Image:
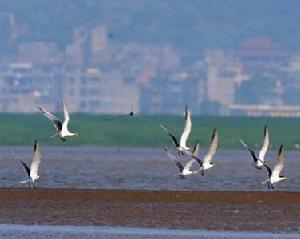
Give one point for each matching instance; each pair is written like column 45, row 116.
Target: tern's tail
column 25, row 181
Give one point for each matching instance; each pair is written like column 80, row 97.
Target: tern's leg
column 34, row 186
column 63, row 139
column 272, row 186
column 202, row 172
column 269, row 186
column 29, row 186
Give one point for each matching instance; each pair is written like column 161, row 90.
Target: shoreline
column 210, row 210
column 40, row 231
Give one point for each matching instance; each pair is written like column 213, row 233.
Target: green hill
column 144, row 131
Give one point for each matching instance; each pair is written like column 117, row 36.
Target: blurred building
column 96, row 74
column 23, row 87
column 222, row 72
column 40, row 53
column 96, row 92
column 74, row 54
column 270, row 110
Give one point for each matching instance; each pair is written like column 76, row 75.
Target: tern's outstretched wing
column 212, row 148
column 252, row 153
column 187, row 128
column 189, row 164
column 66, row 116
column 34, row 167
column 198, row 160
column 56, row 122
column 265, row 146
column 269, row 171
column 194, row 155
column 25, row 167
column 175, row 159
column 174, row 139
column 196, row 149
column 280, row 163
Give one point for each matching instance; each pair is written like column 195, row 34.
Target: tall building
column 97, row 92
column 98, row 45
column 22, row 88
column 74, row 54
column 222, row 72
column 40, row 53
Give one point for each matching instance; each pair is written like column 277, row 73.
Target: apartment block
column 23, row 87
column 97, row 92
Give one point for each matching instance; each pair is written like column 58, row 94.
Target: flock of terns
column 181, row 148
column 205, row 164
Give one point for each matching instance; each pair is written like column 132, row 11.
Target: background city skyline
column 218, row 57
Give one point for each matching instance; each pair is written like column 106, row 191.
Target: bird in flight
column 183, row 170
column 258, row 161
column 207, row 160
column 32, row 172
column 62, row 130
column 180, row 145
column 274, row 175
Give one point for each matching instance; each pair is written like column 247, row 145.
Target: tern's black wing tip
column 195, row 146
column 253, row 155
column 35, row 145
column 280, row 149
column 214, row 133
column 265, row 130
column 269, row 170
column 26, row 168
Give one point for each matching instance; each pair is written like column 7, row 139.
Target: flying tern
column 180, row 145
column 62, row 130
column 207, row 163
column 258, row 161
column 183, row 170
column 274, row 175
column 32, row 172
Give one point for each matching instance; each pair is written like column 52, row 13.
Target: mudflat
column 209, row 210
